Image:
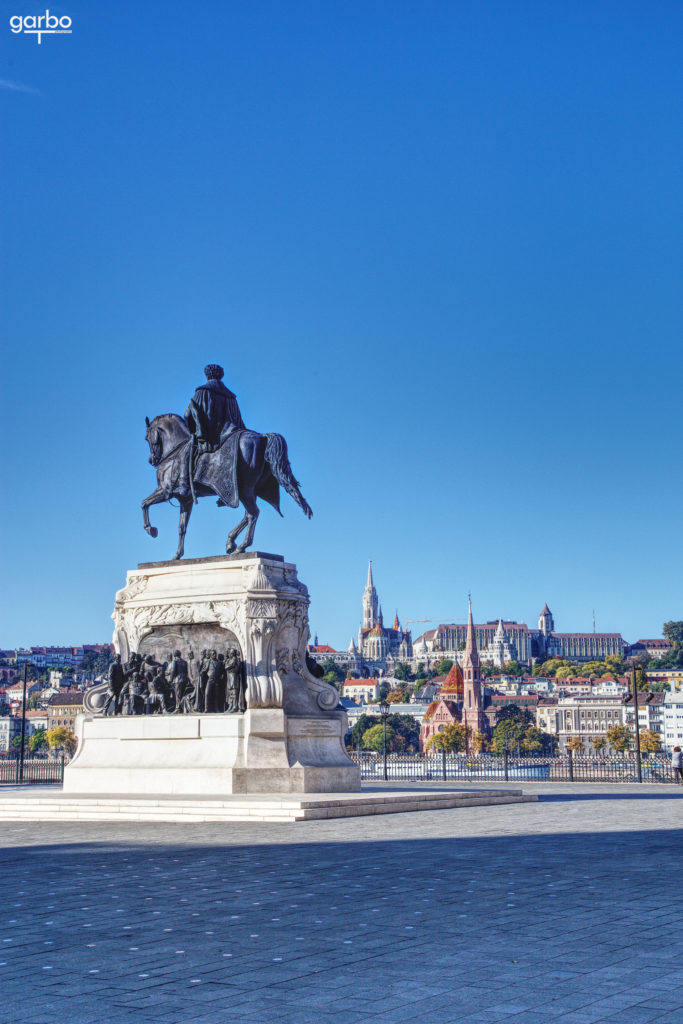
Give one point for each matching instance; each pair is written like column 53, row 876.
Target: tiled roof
column 454, row 682
column 62, row 699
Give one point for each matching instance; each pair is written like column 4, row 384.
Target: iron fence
column 32, row 770
column 508, row 768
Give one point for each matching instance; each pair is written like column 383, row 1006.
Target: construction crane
column 443, row 619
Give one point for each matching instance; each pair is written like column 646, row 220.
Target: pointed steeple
column 397, row 624
column 471, row 652
column 369, row 602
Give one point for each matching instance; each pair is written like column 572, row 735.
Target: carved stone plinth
column 290, row 739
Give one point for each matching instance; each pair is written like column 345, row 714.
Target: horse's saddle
column 218, row 470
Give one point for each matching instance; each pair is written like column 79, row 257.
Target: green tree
column 641, row 679
column 406, row 726
column 512, row 668
column 38, row 741
column 532, row 740
column 97, row 661
column 330, row 668
column 575, row 744
column 598, row 743
column 619, row 738
column 373, row 738
column 403, row 672
column 364, row 722
column 514, row 713
column 507, row 735
column 673, row 631
column 550, row 667
column 444, row 666
column 615, row 664
column 672, row 659
column 452, row 738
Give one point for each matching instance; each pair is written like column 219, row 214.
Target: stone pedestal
column 290, row 738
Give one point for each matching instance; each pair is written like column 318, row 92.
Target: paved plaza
column 567, row 910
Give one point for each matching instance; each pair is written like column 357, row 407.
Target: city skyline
column 438, row 250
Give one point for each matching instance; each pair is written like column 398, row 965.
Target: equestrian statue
column 208, row 452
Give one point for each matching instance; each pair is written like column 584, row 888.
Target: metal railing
column 567, row 767
column 41, row 770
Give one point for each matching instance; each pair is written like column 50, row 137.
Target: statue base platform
column 42, row 803
column 290, row 738
column 261, row 751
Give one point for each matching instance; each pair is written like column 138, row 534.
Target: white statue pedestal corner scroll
column 290, row 739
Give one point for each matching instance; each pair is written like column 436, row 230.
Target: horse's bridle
column 155, row 459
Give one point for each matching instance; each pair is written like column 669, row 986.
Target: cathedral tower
column 546, row 623
column 370, row 602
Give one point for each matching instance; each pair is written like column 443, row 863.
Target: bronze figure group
column 144, row 686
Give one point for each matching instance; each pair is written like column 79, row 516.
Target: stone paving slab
column 568, row 909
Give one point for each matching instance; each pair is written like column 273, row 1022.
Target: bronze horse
column 247, row 466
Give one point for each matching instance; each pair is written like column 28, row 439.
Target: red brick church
column 462, row 697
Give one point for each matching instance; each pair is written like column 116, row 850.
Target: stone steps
column 23, row 805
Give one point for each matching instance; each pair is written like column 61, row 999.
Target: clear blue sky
column 436, row 245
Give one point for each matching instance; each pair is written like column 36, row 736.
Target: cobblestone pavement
column 566, row 910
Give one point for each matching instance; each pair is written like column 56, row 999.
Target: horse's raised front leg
column 185, row 513
column 155, row 498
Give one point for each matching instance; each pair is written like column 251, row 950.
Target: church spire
column 471, row 652
column 370, row 602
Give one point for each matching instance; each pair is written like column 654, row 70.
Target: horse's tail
column 278, row 459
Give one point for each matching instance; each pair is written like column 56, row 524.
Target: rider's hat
column 213, row 371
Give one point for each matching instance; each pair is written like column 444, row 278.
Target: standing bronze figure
column 210, row 452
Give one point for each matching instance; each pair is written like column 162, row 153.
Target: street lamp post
column 639, row 766
column 384, row 712
column 23, row 726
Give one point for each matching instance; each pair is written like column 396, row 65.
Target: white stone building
column 650, row 714
column 582, row 717
column 10, row 726
column 361, row 690
column 673, row 720
column 524, row 644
